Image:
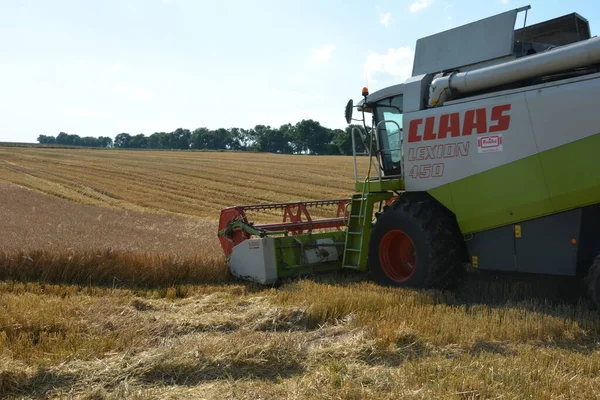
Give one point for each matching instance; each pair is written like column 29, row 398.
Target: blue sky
column 97, row 68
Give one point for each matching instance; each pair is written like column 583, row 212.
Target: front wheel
column 416, row 242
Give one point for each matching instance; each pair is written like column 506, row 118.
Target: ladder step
column 354, row 250
column 357, row 215
column 354, row 233
column 350, row 266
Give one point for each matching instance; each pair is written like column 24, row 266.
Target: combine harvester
column 498, row 169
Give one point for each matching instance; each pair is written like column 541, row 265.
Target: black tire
column 434, row 236
column 593, row 282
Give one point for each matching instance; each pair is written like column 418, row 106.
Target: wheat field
column 198, row 184
column 112, row 286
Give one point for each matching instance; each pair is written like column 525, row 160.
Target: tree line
column 307, row 136
column 75, row 140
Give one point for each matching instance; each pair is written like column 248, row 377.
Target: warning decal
column 489, row 144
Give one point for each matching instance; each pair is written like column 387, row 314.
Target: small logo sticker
column 254, row 244
column 489, row 144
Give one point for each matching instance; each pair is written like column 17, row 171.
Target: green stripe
column 573, row 173
column 557, row 180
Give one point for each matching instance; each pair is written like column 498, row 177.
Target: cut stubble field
column 112, row 285
column 197, row 184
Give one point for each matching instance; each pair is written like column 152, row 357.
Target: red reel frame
column 296, row 220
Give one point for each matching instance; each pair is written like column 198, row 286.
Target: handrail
column 378, row 152
column 367, row 152
column 354, row 154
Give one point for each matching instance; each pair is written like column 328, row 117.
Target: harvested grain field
column 112, row 286
column 190, row 183
column 30, row 220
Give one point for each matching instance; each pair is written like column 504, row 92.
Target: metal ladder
column 359, row 229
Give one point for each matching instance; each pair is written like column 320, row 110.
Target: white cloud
column 396, row 64
column 385, row 19
column 504, row 1
column 134, row 93
column 321, row 55
column 419, row 5
column 113, row 68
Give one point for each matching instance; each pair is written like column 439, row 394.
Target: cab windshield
column 390, row 134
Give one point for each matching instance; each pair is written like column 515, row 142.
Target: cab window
column 390, row 138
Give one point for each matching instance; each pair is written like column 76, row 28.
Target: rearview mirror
column 349, row 109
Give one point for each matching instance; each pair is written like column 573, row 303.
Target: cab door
column 388, row 119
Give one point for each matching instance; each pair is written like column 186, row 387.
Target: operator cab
column 386, row 108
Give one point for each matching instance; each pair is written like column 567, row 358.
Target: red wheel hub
column 397, row 255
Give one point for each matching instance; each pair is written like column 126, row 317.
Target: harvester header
column 234, row 226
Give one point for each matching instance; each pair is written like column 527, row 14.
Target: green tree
column 204, row 138
column 43, row 139
column 289, row 136
column 221, row 139
column 237, row 139
column 105, row 141
column 180, row 139
column 139, row 141
column 74, row 140
column 158, row 140
column 312, row 137
column 122, row 140
column 342, row 139
column 199, row 138
column 89, row 141
column 62, row 138
column 272, row 140
column 69, row 140
column 260, row 135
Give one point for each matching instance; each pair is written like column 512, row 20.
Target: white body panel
column 538, row 122
column 254, row 259
column 427, row 167
column 554, row 124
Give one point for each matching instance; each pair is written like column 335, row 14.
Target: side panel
column 480, row 185
column 509, row 194
column 265, row 260
column 503, row 195
column 493, row 250
column 573, row 173
column 446, row 144
column 254, row 260
column 537, row 153
column 563, row 114
column 545, row 245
